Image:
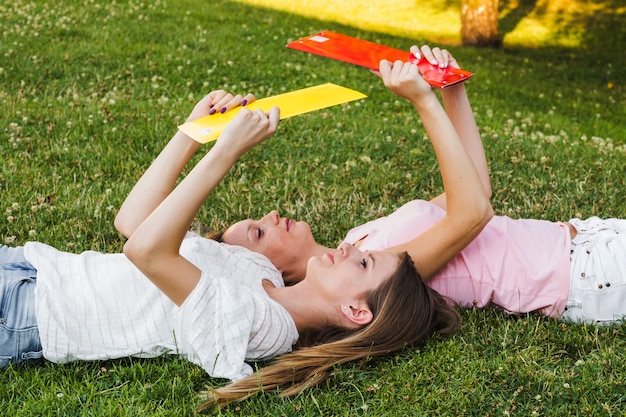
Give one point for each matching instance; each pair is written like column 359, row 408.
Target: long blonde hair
column 406, row 312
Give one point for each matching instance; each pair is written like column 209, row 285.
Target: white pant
column 597, row 291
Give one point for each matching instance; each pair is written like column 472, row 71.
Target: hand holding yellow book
column 208, row 128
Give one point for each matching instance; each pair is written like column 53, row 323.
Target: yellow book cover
column 208, row 128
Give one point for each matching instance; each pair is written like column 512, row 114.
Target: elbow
column 474, row 226
column 121, row 226
column 484, row 214
column 488, row 191
column 131, row 250
column 139, row 253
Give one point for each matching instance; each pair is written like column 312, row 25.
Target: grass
column 91, row 91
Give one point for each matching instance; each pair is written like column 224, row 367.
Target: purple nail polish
column 244, row 102
column 212, row 111
column 223, row 110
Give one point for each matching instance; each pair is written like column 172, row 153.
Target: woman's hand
column 218, row 101
column 404, row 80
column 160, row 178
column 436, row 56
column 246, row 130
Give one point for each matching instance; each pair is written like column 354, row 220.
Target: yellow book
column 208, row 128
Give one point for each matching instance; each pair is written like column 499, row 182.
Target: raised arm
column 160, row 178
column 459, row 110
column 468, row 207
column 154, row 246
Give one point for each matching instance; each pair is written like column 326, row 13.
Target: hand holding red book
column 369, row 54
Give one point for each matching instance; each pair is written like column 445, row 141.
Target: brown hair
column 405, row 313
column 216, row 235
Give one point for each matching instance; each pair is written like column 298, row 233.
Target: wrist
column 186, row 140
column 454, row 91
column 425, row 101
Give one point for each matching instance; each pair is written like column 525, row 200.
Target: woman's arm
column 160, row 178
column 459, row 110
column 468, row 207
column 154, row 246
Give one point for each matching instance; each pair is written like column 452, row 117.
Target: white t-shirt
column 95, row 306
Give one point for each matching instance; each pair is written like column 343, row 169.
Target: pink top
column 520, row 265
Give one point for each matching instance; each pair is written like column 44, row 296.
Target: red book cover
column 368, row 54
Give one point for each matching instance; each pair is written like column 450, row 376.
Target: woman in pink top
column 574, row 270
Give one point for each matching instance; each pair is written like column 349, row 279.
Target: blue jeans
column 19, row 336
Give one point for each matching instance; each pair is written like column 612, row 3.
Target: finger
column 260, row 113
column 384, row 71
column 247, row 99
column 396, row 71
column 446, row 58
column 228, row 102
column 441, row 57
column 384, row 68
column 427, row 53
column 450, row 60
column 215, row 96
column 221, row 102
column 416, row 52
column 444, row 61
column 274, row 118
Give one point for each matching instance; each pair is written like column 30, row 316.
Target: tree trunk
column 479, row 23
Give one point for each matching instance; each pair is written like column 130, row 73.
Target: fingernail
column 211, row 106
column 212, row 111
column 244, row 102
column 223, row 109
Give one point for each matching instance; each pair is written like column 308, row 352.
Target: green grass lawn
column 91, row 91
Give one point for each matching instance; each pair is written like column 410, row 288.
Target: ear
column 359, row 314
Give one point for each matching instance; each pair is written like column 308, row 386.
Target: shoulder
column 242, row 263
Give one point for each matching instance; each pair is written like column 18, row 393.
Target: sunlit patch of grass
column 423, row 19
column 544, row 23
column 551, row 22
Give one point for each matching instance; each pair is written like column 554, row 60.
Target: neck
column 296, row 271
column 303, row 306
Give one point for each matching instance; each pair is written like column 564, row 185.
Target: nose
column 272, row 217
column 346, row 250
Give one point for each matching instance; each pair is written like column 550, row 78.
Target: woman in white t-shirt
column 215, row 304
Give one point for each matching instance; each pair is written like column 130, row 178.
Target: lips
column 287, row 224
column 331, row 258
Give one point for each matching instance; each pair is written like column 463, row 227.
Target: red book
column 369, row 54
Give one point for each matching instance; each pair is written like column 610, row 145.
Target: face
column 347, row 273
column 285, row 242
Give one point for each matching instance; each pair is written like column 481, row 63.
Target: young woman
column 468, row 211
column 574, row 270
column 173, row 292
